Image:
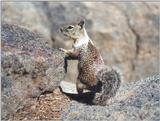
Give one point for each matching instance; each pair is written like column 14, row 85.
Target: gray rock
column 29, row 68
column 26, row 14
column 136, row 101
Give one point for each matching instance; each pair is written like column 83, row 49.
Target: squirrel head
column 76, row 32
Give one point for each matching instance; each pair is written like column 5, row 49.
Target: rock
column 47, row 107
column 69, row 88
column 29, row 68
column 135, row 101
column 28, row 15
column 143, row 22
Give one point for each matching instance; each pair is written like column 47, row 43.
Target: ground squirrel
column 93, row 74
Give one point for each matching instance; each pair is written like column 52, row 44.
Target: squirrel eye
column 70, row 27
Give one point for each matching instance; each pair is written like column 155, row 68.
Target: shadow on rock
column 86, row 97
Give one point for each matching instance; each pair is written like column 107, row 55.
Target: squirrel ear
column 81, row 24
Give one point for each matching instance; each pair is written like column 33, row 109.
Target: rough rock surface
column 126, row 33
column 136, row 101
column 29, row 68
column 25, row 14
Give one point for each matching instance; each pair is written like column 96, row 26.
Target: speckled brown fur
column 86, row 65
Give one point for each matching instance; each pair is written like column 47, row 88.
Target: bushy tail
column 111, row 79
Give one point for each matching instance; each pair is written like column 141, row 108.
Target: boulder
column 29, row 68
column 135, row 101
column 28, row 15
